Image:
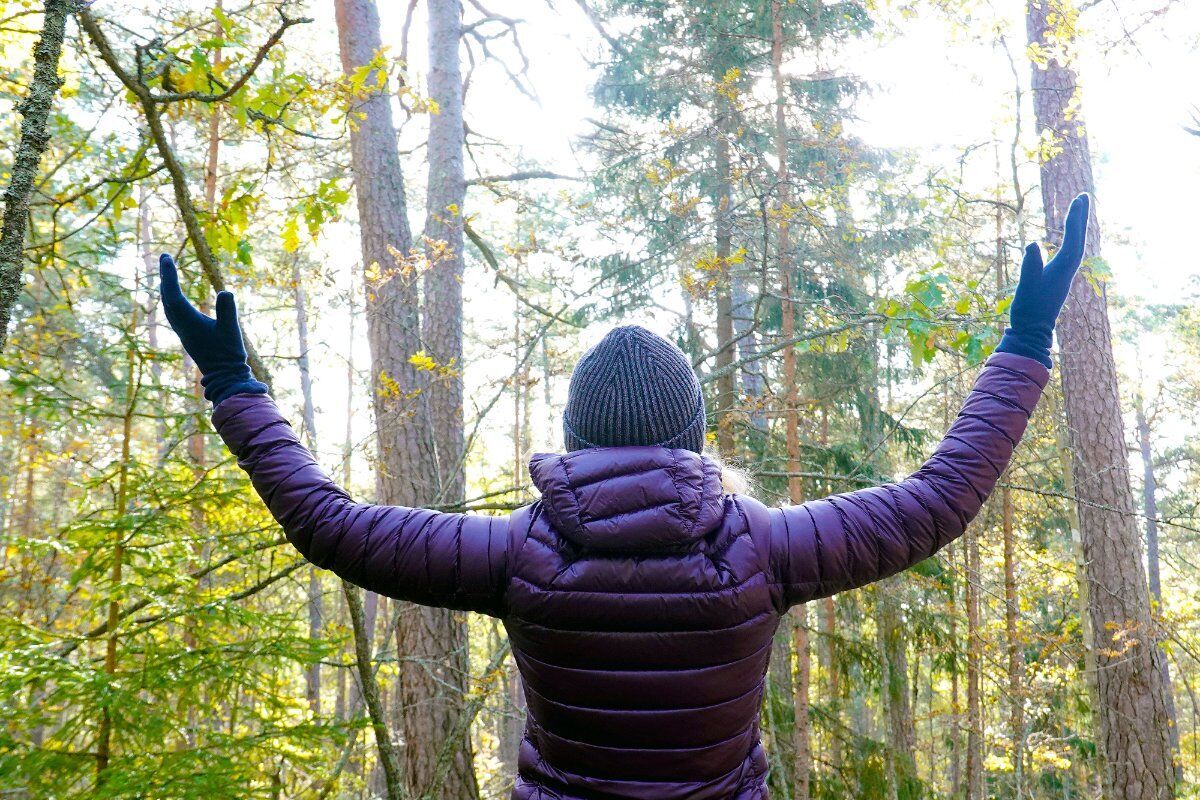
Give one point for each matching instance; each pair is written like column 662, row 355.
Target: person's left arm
column 848, row 540
column 420, row 555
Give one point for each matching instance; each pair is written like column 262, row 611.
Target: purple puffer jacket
column 640, row 599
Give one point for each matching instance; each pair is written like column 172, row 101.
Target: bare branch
column 528, row 175
column 598, row 24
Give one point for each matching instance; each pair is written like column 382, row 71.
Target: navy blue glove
column 214, row 344
column 1042, row 292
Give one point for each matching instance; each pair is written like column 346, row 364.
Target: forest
column 429, row 210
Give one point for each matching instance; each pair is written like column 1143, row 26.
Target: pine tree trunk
column 893, row 649
column 1016, row 658
column 974, row 782
column 742, row 313
column 404, row 446
column 105, row 730
column 432, row 680
column 1134, row 733
column 954, row 735
column 726, row 391
column 511, row 699
column 801, row 732
column 442, row 318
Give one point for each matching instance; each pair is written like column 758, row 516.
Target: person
column 639, row 596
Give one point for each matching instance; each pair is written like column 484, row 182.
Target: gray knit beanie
column 634, row 388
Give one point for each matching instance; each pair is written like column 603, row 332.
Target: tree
column 35, row 133
column 1134, row 723
column 433, row 676
column 391, row 303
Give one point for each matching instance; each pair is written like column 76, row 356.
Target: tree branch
column 246, row 75
column 35, row 135
column 179, row 182
column 528, row 175
column 370, row 692
column 775, row 348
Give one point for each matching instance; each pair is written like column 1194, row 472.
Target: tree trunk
column 403, row 434
column 35, row 135
column 442, row 322
column 893, row 650
column 974, row 665
column 1016, row 657
column 104, row 735
column 1134, row 733
column 388, row 758
column 433, row 675
column 316, row 612
column 726, row 393
column 801, row 733
column 954, row 735
column 1150, row 506
column 742, row 314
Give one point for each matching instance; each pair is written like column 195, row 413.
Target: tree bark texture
column 419, row 448
column 35, row 136
column 433, row 675
column 1133, row 714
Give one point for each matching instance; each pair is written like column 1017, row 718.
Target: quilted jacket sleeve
column 849, row 540
column 428, row 557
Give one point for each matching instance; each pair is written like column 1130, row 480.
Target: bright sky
column 936, row 92
column 941, row 97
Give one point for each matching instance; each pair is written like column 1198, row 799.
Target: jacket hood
column 630, row 499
